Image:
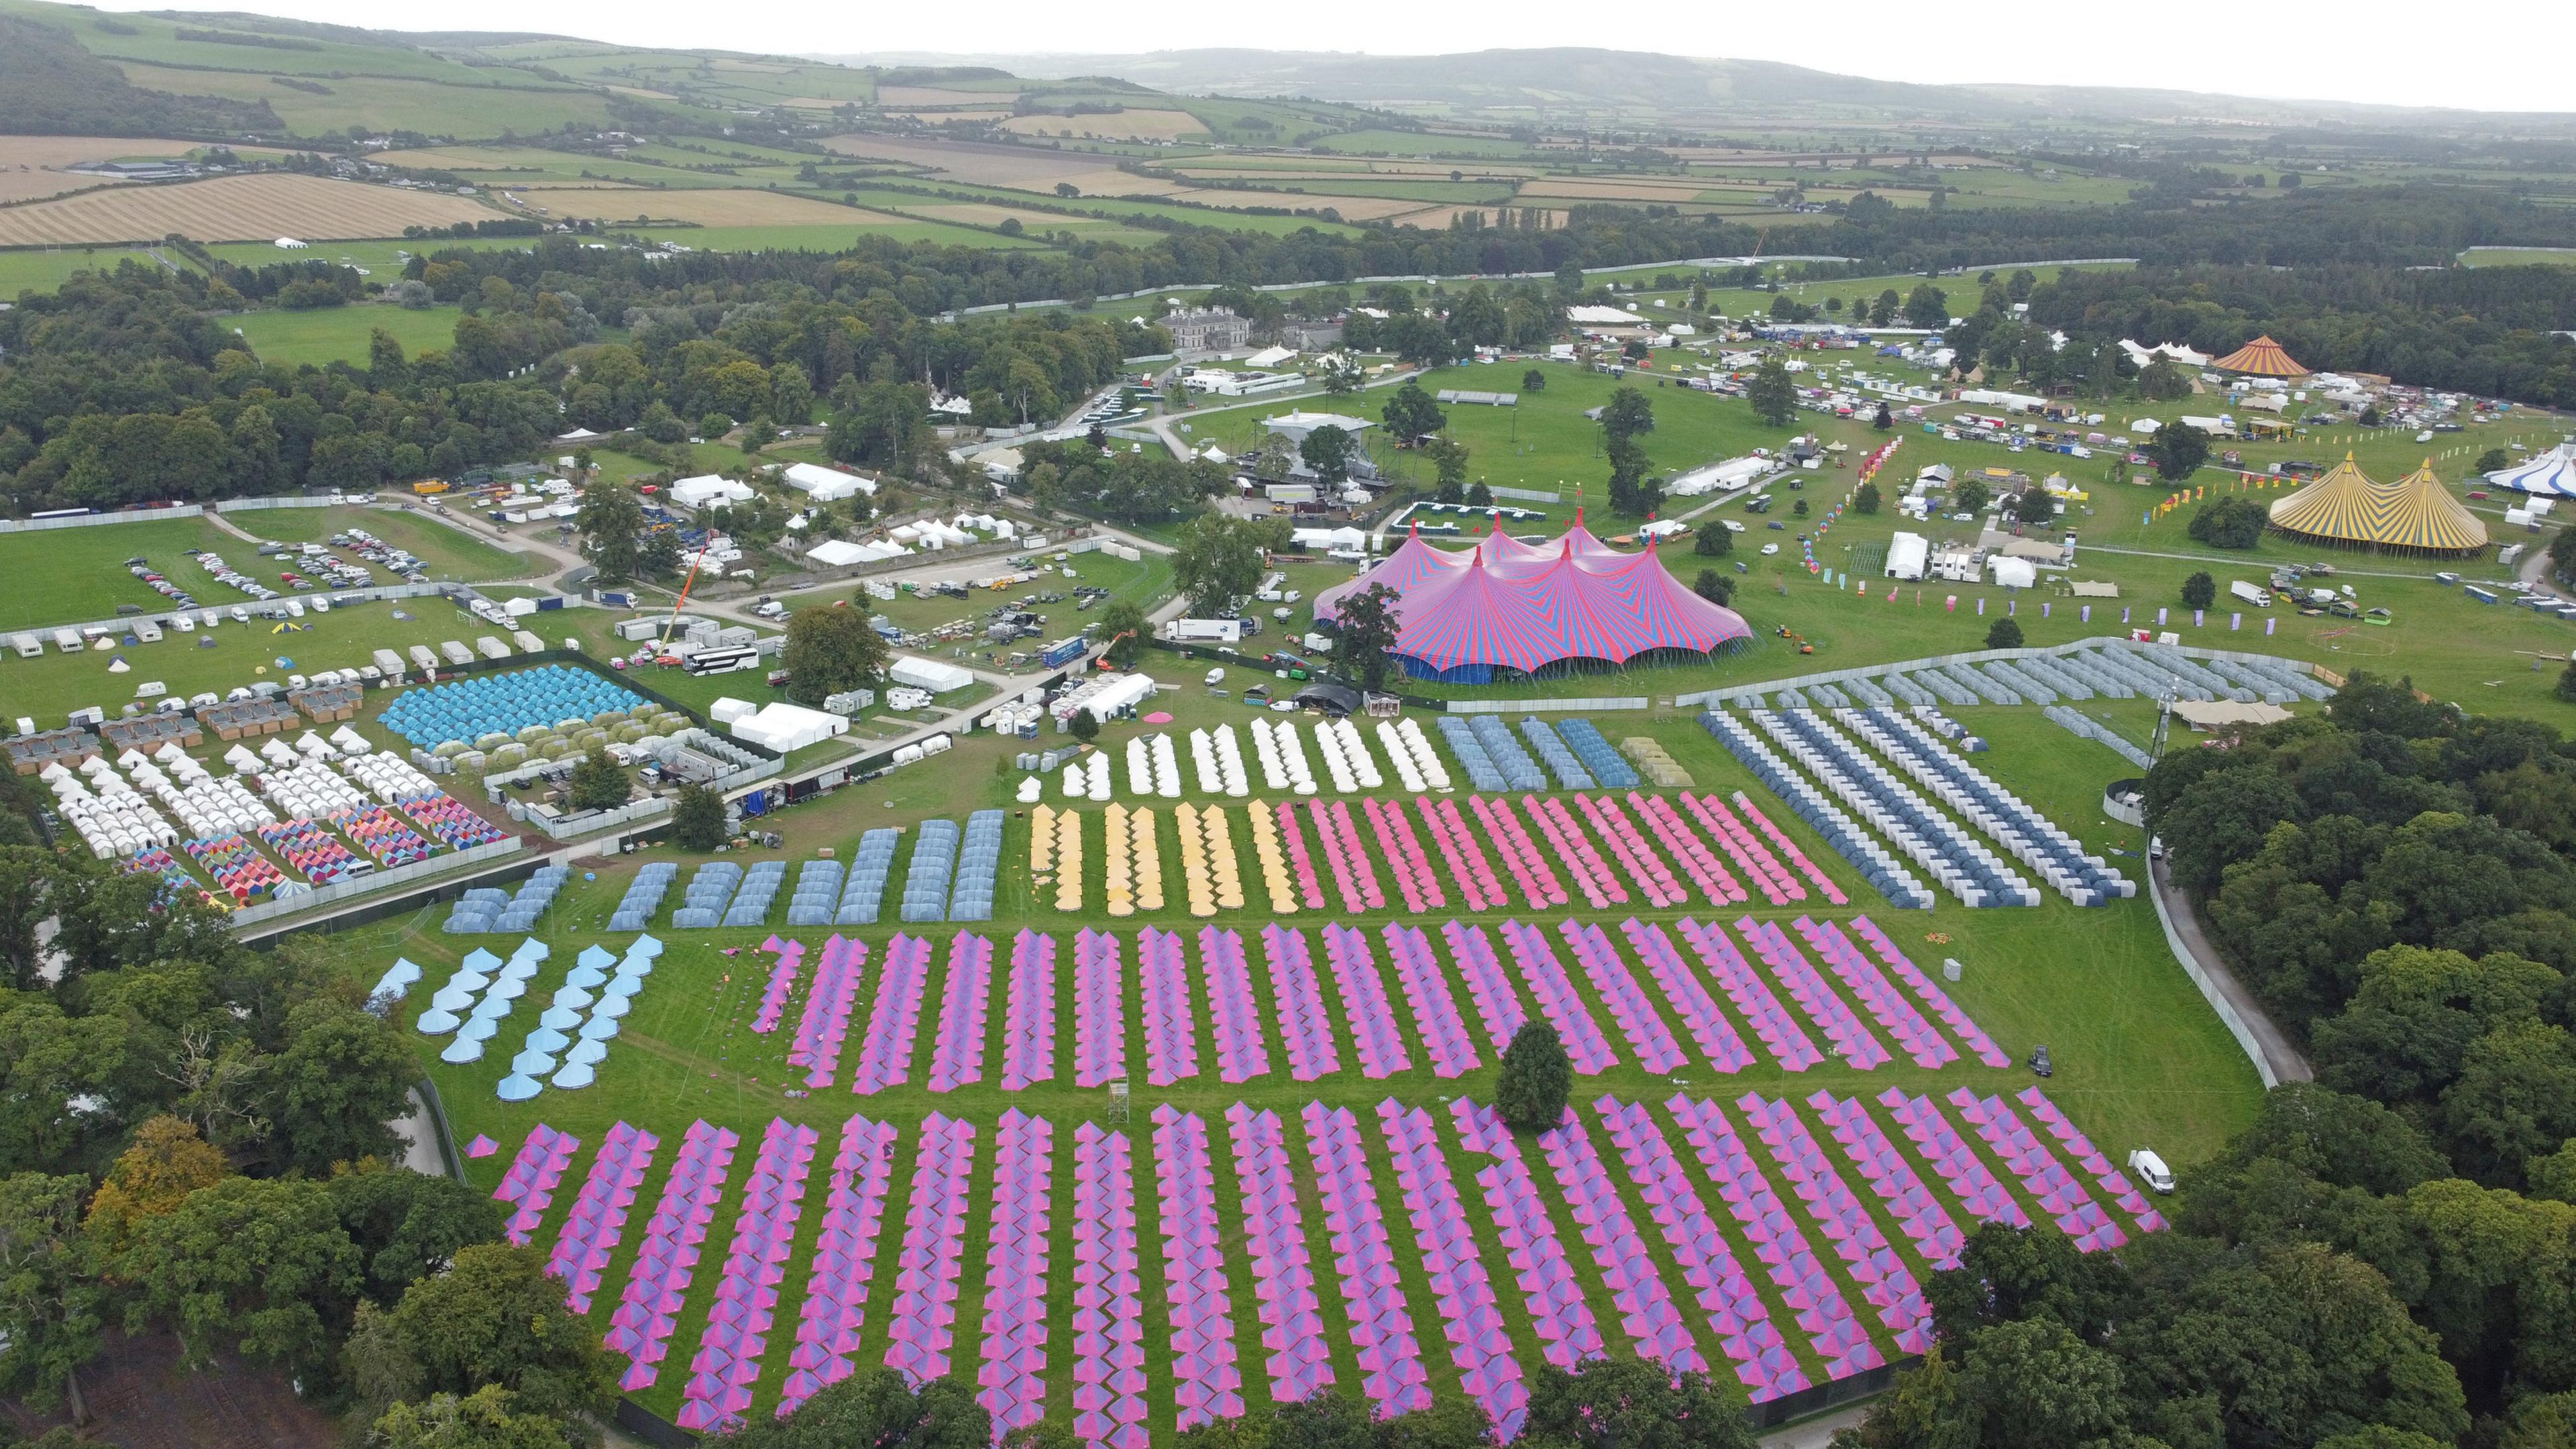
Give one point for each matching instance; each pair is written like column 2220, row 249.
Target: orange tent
column 2261, row 357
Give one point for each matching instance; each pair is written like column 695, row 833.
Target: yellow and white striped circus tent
column 2349, row 508
column 2261, row 357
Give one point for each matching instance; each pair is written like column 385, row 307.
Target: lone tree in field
column 1369, row 625
column 598, row 783
column 1536, row 1079
column 1865, row 499
column 698, row 818
column 1774, row 398
column 609, row 519
column 2004, row 634
column 2199, row 591
column 1712, row 540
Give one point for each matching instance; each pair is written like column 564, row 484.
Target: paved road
column 2286, row 1062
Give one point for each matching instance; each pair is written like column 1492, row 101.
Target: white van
column 2151, row 1170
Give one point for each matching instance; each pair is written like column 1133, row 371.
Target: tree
column 1084, row 726
column 873, row 1407
column 1449, row 458
column 1798, row 509
column 1369, row 624
column 831, row 651
column 609, row 519
column 343, row 1075
column 1626, row 415
column 1715, row 587
column 485, row 1419
column 1972, row 495
column 1219, row 560
column 2199, row 591
column 2493, row 460
column 1536, row 1080
column 1865, row 499
column 1774, row 399
column 257, row 1267
column 1712, row 540
column 26, row 881
column 2034, row 1385
column 1326, row 450
column 1534, row 380
column 169, row 1160
column 2229, row 522
column 698, row 818
column 1882, row 419
column 1410, row 415
column 598, row 782
column 2370, row 415
column 1479, row 496
column 2034, row 506
column 50, row 1294
column 496, row 1318
column 408, row 1225
column 1123, row 626
column 1341, row 378
column 1927, row 306
column 2163, row 381
column 2176, row 449
column 2567, row 681
column 1633, row 1403
column 2004, row 633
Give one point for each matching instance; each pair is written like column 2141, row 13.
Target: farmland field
column 67, row 575
column 381, row 104
column 697, row 207
column 2519, row 257
column 43, row 269
column 233, row 208
column 1140, row 125
column 381, row 259
column 341, row 334
column 827, row 238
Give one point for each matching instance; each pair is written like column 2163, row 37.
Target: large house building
column 1207, row 329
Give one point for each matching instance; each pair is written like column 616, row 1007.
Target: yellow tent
column 2347, row 507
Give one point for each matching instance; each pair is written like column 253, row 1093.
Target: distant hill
column 1678, row 89
column 50, row 86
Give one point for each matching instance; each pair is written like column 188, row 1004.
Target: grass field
column 2140, row 1059
column 341, row 334
column 381, row 260
column 469, row 112
column 2519, row 257
column 834, row 238
column 43, row 269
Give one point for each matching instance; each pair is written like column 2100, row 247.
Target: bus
column 723, row 661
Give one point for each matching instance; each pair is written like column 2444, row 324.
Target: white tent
column 707, row 488
column 785, row 727
column 2552, row 474
column 928, row 674
column 837, row 552
column 825, row 484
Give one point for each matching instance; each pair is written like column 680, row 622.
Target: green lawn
column 823, row 238
column 381, row 260
column 2519, row 257
column 42, row 269
column 342, row 334
column 452, row 555
column 66, row 575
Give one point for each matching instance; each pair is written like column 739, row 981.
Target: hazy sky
column 2502, row 54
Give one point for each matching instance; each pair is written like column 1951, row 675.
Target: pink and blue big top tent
column 2547, row 475
column 1509, row 605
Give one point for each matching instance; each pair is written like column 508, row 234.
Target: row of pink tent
column 1752, row 996
column 1570, row 847
column 1478, row 1342
column 1852, row 1041
column 1426, row 995
column 1769, row 876
column 885, row 1056
column 727, row 1363
column 1028, row 1014
column 1304, row 1030
column 1415, row 881
column 1108, row 1316
column 1655, row 1316
column 828, row 1327
column 649, row 1309
column 1559, row 1313
column 598, row 1219
column 1099, row 1009
column 1654, row 1325
column 1867, row 1255
column 1581, row 1036
column 1241, row 1054
column 921, row 1323
column 1736, row 1313
column 1283, row 1275
column 1354, row 879
column 1301, row 865
column 528, row 1184
column 1365, row 1004
column 2112, row 1180
column 1529, row 869
column 1978, row 1043
column 1497, row 1005
column 1881, row 1000
column 1011, row 1384
column 1638, row 1021
column 826, row 1018
column 1171, row 1028
column 1390, row 1358
column 1629, row 848
column 957, row 1051
column 1715, row 882
column 1689, row 995
column 1457, row 845
column 782, row 981
column 1207, row 1385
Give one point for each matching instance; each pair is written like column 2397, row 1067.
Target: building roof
column 1298, row 424
column 1590, row 316
column 2262, row 357
column 2348, row 506
column 2551, row 474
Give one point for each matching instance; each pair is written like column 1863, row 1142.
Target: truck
column 2254, row 595
column 426, row 487
column 1204, row 631
column 1062, row 652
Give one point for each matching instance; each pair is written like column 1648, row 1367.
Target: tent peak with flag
column 2261, row 357
column 2416, row 513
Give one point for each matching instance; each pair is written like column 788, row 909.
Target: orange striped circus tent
column 2349, row 509
column 2261, row 357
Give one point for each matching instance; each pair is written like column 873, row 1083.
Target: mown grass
column 325, row 335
